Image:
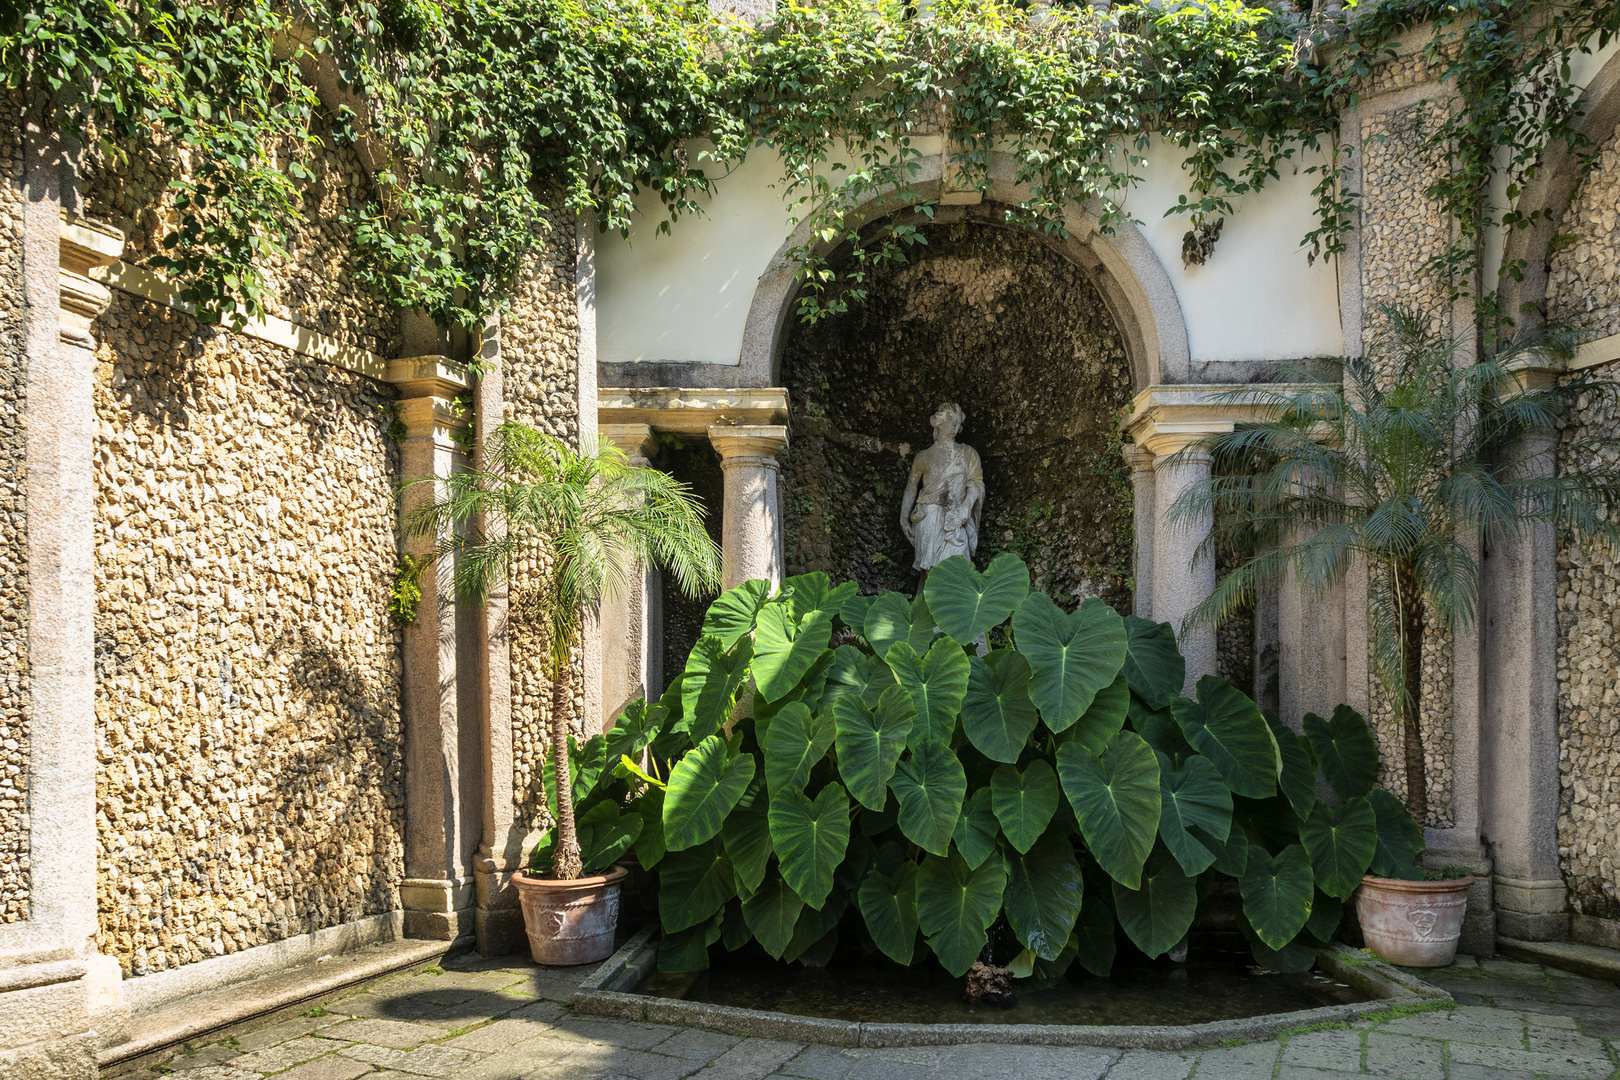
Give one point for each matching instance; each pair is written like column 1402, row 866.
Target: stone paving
column 499, row 1020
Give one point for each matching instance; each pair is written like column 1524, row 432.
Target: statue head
column 947, row 420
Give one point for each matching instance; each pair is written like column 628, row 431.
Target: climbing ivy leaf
column 810, row 839
column 1346, row 751
column 1024, row 802
column 955, row 907
column 1116, row 798
column 704, row 786
column 1072, row 657
column 1227, row 728
column 997, row 713
column 929, row 787
column 967, row 603
column 1044, row 891
column 937, row 684
column 1154, row 666
column 870, row 741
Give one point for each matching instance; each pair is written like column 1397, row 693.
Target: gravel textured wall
column 13, row 533
column 1017, row 335
column 540, row 372
column 693, row 462
column 1583, row 280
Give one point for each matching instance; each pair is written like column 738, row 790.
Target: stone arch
column 1549, row 195
column 1123, row 266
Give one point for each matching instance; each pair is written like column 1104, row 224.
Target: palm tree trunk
column 1409, row 608
column 565, row 864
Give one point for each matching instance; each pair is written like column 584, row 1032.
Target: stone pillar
column 631, row 631
column 1181, row 581
column 1519, row 736
column 751, row 525
column 1141, row 463
column 1310, row 651
column 437, row 893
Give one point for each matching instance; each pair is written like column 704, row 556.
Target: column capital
column 84, row 246
column 754, row 444
column 636, row 441
column 688, row 410
column 428, row 386
column 1165, row 420
column 1139, row 458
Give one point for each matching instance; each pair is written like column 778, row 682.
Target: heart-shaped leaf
column 784, row 649
column 693, row 885
column 929, row 787
column 1043, row 896
column 586, row 763
column 1341, row 841
column 713, row 678
column 731, row 614
column 1400, row 838
column 1154, row 666
column 1094, row 936
column 936, row 682
column 1116, row 799
column 1298, row 776
column 855, row 672
column 734, row 931
column 1105, row 716
column 1158, row 915
column 650, row 844
column 813, row 592
column 976, row 830
column 809, row 690
column 1294, row 958
column 688, row 950
column 817, row 932
column 810, row 839
column 1160, row 730
column 892, row 617
column 870, row 741
column 1346, row 751
column 633, row 731
column 1277, row 891
column 967, row 603
column 793, row 743
column 703, row 788
column 888, row 903
column 1226, row 727
column 1024, row 802
column 1326, row 911
column 1232, row 857
column 854, row 612
column 997, row 713
column 1194, row 796
column 747, row 837
column 772, row 913
column 955, row 906
column 606, row 832
column 1072, row 656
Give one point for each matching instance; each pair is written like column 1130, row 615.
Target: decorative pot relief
column 1424, row 921
column 552, row 922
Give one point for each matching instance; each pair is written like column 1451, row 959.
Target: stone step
column 1593, row 961
column 214, row 1015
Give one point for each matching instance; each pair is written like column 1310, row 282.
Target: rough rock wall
column 13, row 532
column 696, row 464
column 1583, row 280
column 540, row 378
column 998, row 322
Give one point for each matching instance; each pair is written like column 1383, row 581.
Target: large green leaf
column 997, row 713
column 858, row 673
column 967, row 603
column 714, row 677
column 606, row 832
column 1295, row 958
column 1116, row 799
column 1105, row 716
column 731, row 615
column 1157, row 915
column 586, row 763
column 1326, row 911
column 888, row 903
column 810, row 839
column 892, row 617
column 929, row 787
column 854, row 612
column 1341, row 841
column 688, row 950
column 812, row 592
column 1153, row 664
column 784, row 650
column 1024, row 802
column 1232, row 857
column 936, row 682
column 1045, row 974
column 703, row 788
column 771, row 913
column 793, row 743
column 1194, row 797
column 1346, row 751
column 1044, row 890
column 809, row 691
column 976, row 830
column 633, row 730
column 1094, row 936
column 1298, row 777
column 817, row 931
column 870, row 741
column 955, row 906
column 1400, row 838
column 1160, row 730
column 693, row 885
column 1072, row 656
column 747, row 836
column 1226, row 727
column 1277, row 891
column 650, row 844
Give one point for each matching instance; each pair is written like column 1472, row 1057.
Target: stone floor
column 498, row 1020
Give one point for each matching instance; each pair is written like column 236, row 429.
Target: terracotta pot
column 1413, row 923
column 570, row 922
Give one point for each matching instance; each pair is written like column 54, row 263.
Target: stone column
column 629, row 624
column 751, row 526
column 437, row 893
column 1519, row 736
column 1141, row 463
column 1180, row 580
column 1310, row 652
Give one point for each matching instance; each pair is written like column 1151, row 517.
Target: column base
column 1478, row 935
column 1532, row 927
column 437, row 909
column 70, row 1057
column 1590, row 930
column 45, row 1028
column 499, row 919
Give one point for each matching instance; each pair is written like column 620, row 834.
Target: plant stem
column 1409, row 609
column 565, row 864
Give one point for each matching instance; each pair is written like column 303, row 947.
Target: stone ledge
column 1593, row 961
column 214, row 1015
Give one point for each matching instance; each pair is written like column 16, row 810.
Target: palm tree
column 600, row 520
column 1409, row 464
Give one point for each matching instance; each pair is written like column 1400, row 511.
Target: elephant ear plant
column 1010, row 801
column 595, row 522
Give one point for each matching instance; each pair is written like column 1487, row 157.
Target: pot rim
column 1402, row 885
column 525, row 880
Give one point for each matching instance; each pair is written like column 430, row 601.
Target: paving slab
column 698, row 1044
column 398, row 1034
column 327, row 1068
column 1575, row 1066
column 1405, row 1057
column 1151, row 1065
column 284, row 1055
column 220, row 1072
column 1340, row 1050
column 817, row 1062
column 988, row 1061
column 208, row 1056
column 1238, row 1062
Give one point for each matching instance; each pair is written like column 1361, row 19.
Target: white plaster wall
column 685, row 296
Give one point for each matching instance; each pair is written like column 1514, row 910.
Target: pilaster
column 1141, row 462
column 631, row 624
column 751, row 526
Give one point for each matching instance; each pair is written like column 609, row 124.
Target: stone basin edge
column 605, row 993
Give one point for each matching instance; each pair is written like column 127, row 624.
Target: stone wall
column 13, row 532
column 539, row 370
column 1583, row 279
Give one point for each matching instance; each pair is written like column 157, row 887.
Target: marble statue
column 945, row 494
